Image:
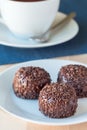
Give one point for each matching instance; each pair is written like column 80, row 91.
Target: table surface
column 8, row 122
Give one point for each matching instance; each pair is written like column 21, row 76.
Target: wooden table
column 8, row 122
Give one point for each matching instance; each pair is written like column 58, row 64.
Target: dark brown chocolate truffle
column 75, row 76
column 58, row 100
column 28, row 81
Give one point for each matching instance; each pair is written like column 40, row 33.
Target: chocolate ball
column 28, row 82
column 76, row 77
column 58, row 100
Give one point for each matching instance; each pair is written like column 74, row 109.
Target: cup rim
column 31, row 2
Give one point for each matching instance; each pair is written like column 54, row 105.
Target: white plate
column 28, row 109
column 65, row 34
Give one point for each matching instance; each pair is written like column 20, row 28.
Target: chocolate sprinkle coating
column 58, row 100
column 28, row 82
column 75, row 76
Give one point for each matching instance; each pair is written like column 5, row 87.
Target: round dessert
column 58, row 100
column 75, row 76
column 28, row 81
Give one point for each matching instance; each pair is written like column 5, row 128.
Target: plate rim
column 83, row 117
column 42, row 45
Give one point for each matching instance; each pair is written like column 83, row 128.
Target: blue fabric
column 78, row 45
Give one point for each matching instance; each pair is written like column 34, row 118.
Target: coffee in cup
column 28, row 0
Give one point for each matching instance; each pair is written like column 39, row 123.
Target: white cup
column 28, row 19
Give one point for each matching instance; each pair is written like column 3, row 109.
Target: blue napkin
column 78, row 45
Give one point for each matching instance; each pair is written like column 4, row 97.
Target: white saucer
column 58, row 37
